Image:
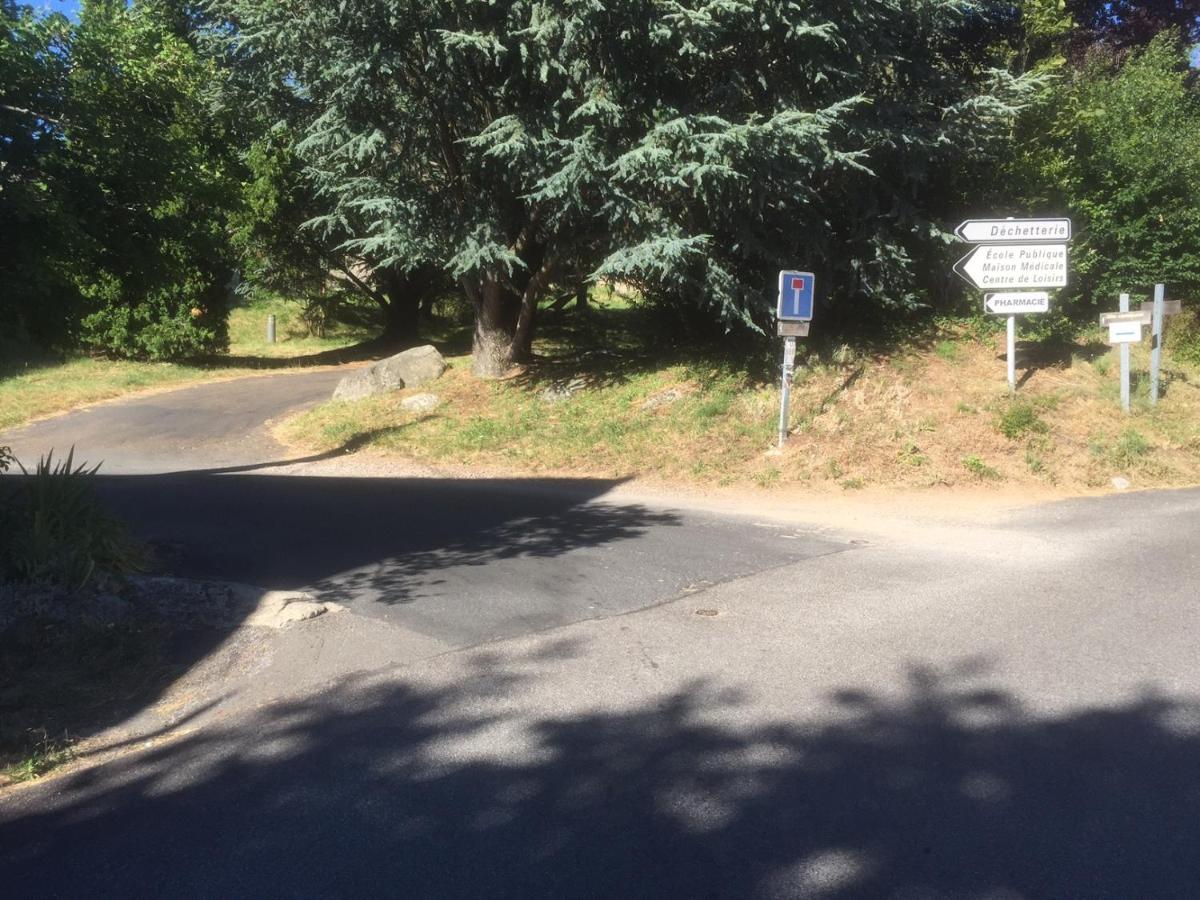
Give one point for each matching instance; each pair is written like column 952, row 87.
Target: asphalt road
column 677, row 704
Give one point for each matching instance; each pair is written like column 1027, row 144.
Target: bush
column 56, row 531
column 1020, row 418
column 1183, row 336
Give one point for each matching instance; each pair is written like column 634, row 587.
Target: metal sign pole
column 1012, row 353
column 1125, row 361
column 789, row 365
column 1156, row 347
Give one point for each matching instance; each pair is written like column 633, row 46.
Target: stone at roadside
column 420, row 403
column 411, row 368
column 1121, row 484
column 277, row 609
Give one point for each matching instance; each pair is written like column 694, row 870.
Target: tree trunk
column 404, row 292
column 496, row 311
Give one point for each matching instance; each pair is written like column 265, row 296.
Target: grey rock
column 557, row 393
column 661, row 399
column 1121, row 484
column 414, row 367
column 420, row 402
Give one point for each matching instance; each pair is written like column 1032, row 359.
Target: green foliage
column 1183, row 335
column 37, row 299
column 56, row 530
column 6, row 459
column 1129, row 448
column 1020, row 418
column 1112, row 143
column 686, row 148
column 116, row 182
column 980, row 469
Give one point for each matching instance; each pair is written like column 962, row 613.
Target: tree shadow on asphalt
column 457, row 785
column 387, row 538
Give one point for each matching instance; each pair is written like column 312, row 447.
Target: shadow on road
column 292, row 532
column 946, row 787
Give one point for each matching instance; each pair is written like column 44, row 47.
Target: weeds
column 1020, row 418
column 58, row 532
column 947, row 350
column 1131, row 447
column 980, row 469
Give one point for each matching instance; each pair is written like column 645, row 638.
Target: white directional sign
column 1125, row 333
column 1012, row 304
column 1015, row 266
column 996, row 231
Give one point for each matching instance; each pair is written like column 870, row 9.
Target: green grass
column 606, row 426
column 43, row 390
column 1020, row 418
column 980, row 469
column 947, row 350
column 48, row 386
column 352, row 323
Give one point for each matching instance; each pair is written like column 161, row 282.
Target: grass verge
column 917, row 415
column 33, row 390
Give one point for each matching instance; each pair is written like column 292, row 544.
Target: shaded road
column 1015, row 714
column 1005, row 709
column 208, row 426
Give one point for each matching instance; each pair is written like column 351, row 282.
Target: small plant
column 1102, row 365
column 1019, row 419
column 912, row 455
column 833, row 470
column 980, row 469
column 58, row 532
column 45, row 755
column 947, row 350
column 1130, row 448
column 6, row 459
column 853, row 484
column 966, row 409
column 769, row 477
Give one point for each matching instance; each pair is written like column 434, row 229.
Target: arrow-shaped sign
column 1014, row 304
column 1015, row 266
column 997, row 231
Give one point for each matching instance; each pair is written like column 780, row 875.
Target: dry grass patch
column 913, row 419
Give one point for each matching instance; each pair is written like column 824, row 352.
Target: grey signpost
column 1125, row 328
column 1125, row 404
column 1014, row 254
column 1156, row 347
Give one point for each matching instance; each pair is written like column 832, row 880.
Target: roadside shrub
column 56, row 531
column 1020, row 418
column 1183, row 336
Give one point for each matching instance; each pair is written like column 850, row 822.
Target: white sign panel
column 996, row 231
column 1013, row 304
column 1015, row 266
column 1125, row 333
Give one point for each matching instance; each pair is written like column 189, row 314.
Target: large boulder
column 414, row 367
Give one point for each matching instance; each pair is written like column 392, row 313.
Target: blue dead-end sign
column 796, row 291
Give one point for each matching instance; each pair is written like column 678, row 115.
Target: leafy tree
column 1114, row 144
column 1123, row 24
column 150, row 180
column 35, row 233
column 692, row 147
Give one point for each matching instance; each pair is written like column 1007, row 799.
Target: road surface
column 621, row 699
